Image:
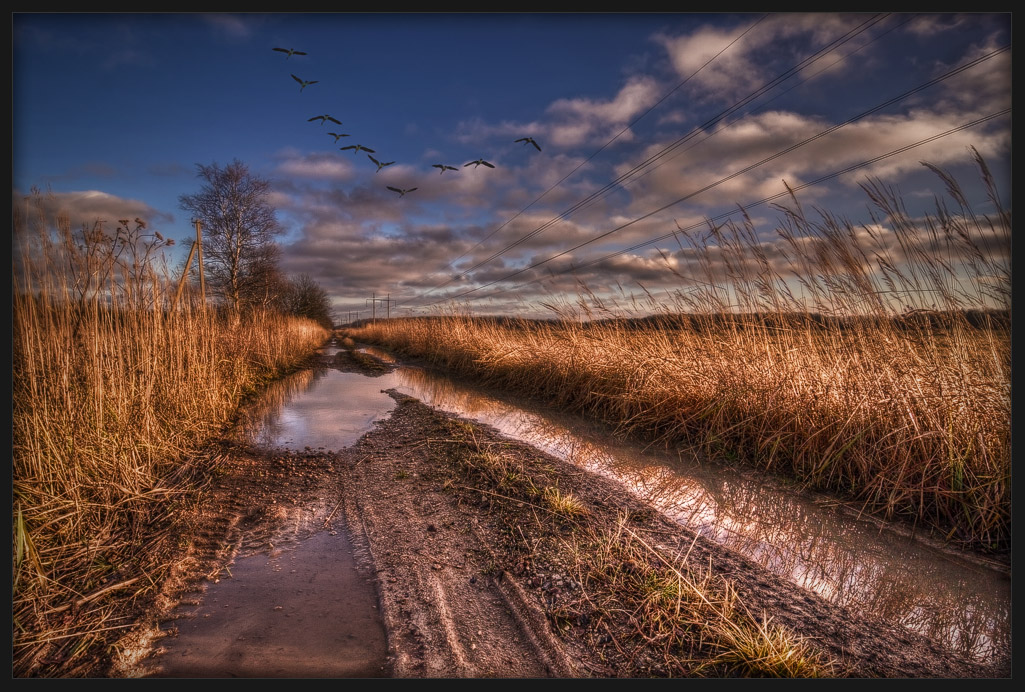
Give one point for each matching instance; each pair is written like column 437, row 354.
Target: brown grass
column 871, row 361
column 113, row 392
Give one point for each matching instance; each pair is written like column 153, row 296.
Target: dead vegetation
column 873, row 362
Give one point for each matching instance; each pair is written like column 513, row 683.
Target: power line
column 764, row 200
column 587, row 160
column 864, row 26
column 746, row 169
column 665, row 154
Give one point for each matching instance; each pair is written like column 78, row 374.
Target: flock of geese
column 356, row 148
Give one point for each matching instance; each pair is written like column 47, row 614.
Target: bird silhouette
column 479, row 162
column 529, row 140
column 323, row 119
column 401, row 192
column 444, row 168
column 357, row 147
column 337, row 135
column 379, row 164
column 290, row 51
column 303, row 83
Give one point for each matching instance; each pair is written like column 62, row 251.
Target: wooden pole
column 373, row 307
column 202, row 282
column 185, row 274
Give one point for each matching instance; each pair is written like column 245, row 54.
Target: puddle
column 318, row 409
column 259, row 624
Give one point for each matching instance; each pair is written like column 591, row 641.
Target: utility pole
column 373, row 307
column 185, row 274
column 374, row 300
column 202, row 281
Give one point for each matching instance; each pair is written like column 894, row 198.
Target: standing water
column 817, row 543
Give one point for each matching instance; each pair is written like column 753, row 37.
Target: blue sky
column 646, row 123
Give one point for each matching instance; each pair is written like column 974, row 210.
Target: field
column 874, row 362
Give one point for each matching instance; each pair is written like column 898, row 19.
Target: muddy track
column 450, row 609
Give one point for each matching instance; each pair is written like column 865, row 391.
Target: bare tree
column 305, row 298
column 239, row 250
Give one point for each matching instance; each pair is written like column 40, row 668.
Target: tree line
column 240, row 250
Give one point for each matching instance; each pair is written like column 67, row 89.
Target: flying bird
column 401, row 192
column 290, row 51
column 357, row 147
column 479, row 162
column 303, row 83
column 379, row 164
column 323, row 119
column 444, row 168
column 529, row 140
column 337, row 136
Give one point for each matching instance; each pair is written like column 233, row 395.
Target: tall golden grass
column 872, row 361
column 113, row 392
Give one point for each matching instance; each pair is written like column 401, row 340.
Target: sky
column 646, row 124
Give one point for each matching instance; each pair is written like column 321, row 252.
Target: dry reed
column 113, row 392
column 872, row 361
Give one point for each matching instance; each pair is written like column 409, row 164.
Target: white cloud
column 232, row 25
column 316, row 166
column 581, row 120
column 83, row 208
column 719, row 65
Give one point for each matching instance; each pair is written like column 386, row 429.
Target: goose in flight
column 337, row 135
column 323, row 119
column 303, row 83
column 444, row 168
column 529, row 140
column 479, row 162
column 290, row 51
column 401, row 192
column 357, row 147
column 378, row 163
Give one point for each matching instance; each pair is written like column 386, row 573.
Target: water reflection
column 320, row 409
column 849, row 561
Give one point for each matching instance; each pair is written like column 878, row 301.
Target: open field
column 913, row 421
column 874, row 362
